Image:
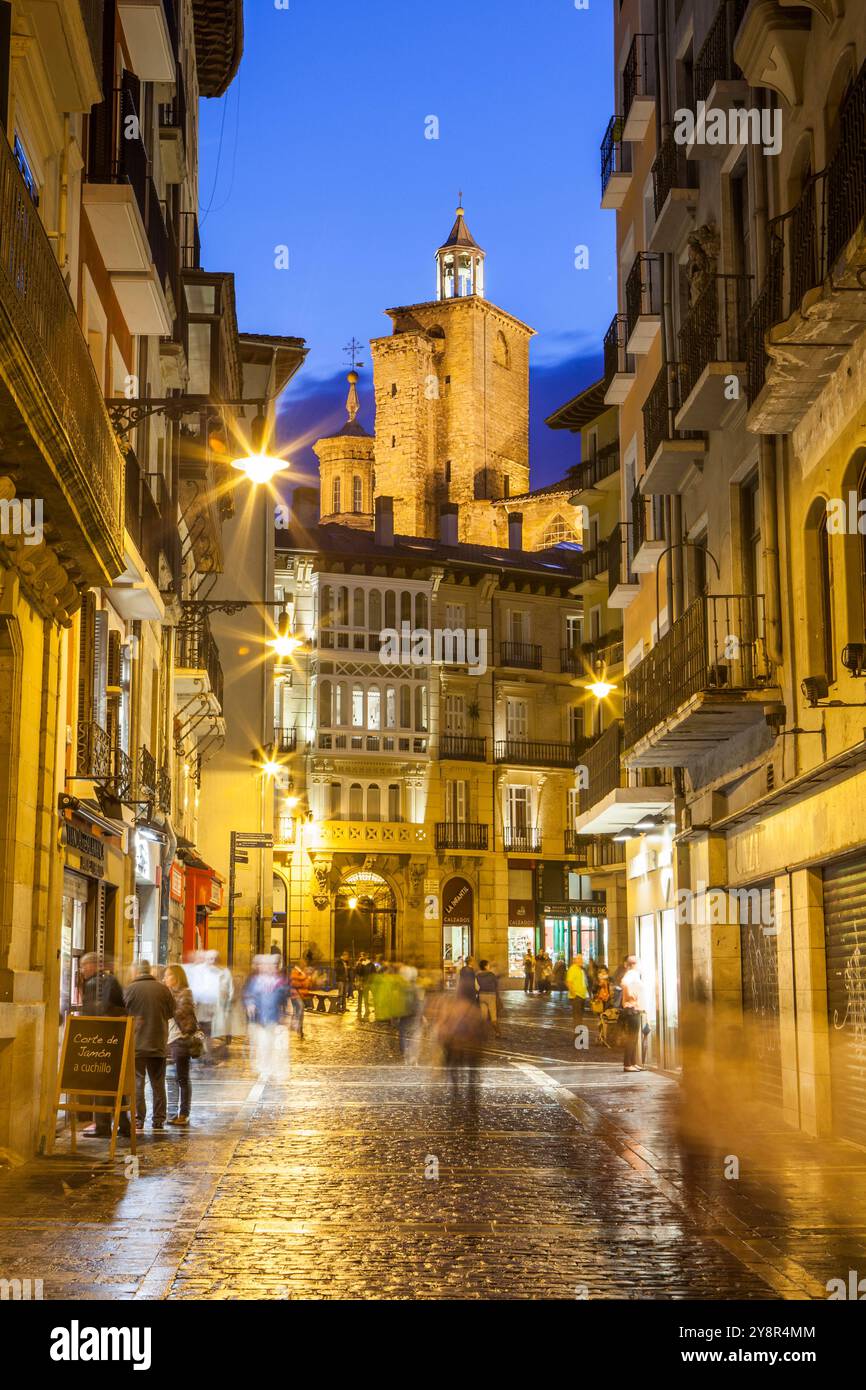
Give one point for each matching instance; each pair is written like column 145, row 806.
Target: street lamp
column 601, row 688
column 258, row 465
column 284, row 644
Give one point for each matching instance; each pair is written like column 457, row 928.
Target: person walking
column 575, row 981
column 181, row 1032
column 363, row 970
column 467, row 984
column 630, row 1010
column 151, row 1004
column 528, row 972
column 101, row 997
column 488, row 996
column 341, row 980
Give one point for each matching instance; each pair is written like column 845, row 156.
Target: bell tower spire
column 459, row 262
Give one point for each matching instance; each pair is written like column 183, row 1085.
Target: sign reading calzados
column 457, row 903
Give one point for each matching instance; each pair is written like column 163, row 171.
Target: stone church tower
column 346, row 468
column 452, row 400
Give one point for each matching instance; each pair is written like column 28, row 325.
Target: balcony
column 348, row 835
column 606, row 649
column 524, row 655
column 593, row 569
column 285, row 740
column 124, row 211
column 598, row 474
column 150, row 32
column 197, row 669
column 593, row 851
column 671, row 454
column 100, row 759
column 675, row 196
column 639, row 87
column 69, row 38
column 463, row 747
column 607, row 802
column 706, row 680
column 357, row 742
column 719, row 85
column 461, row 835
column 615, row 165
column 643, row 304
column 521, row 840
column 163, row 788
column 622, row 584
column 147, row 775
column 812, row 306
column 172, row 132
column 519, row 752
column 647, row 532
column 619, row 365
column 68, row 455
column 713, row 349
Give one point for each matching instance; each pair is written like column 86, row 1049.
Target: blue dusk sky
column 319, row 146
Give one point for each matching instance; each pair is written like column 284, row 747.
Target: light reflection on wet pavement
column 349, row 1175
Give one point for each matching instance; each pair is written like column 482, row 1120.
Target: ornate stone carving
column 322, row 882
column 702, row 247
column 417, row 873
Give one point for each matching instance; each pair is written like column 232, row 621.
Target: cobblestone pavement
column 348, row 1175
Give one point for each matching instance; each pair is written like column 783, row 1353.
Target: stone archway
column 364, row 915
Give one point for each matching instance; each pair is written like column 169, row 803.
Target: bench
column 324, row 1000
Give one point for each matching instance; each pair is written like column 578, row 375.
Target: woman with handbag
column 184, row 1038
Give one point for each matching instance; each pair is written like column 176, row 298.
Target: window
column 421, row 616
column 518, row 625
column 455, row 714
column 374, row 802
column 455, row 617
column 357, row 494
column 559, row 531
column 519, row 807
column 750, row 516
column 325, row 705
column 575, row 724
column 825, row 573
column 358, row 609
column 340, row 705
column 390, row 609
column 394, row 812
column 421, row 708
column 335, row 801
column 393, row 388
column 357, row 707
column 356, row 801
column 406, row 608
column 390, row 708
column 405, row 707
column 374, row 708
column 574, row 631
column 456, row 801
column 572, row 808
column 335, row 506
column 516, row 718
column 374, row 603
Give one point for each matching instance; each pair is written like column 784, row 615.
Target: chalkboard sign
column 97, row 1073
column 94, row 1054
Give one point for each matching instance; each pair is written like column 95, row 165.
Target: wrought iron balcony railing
column 660, row 409
column 285, row 740
column 93, row 14
column 116, row 151
column 461, row 835
column 147, row 775
column 638, row 76
column 591, row 471
column 521, row 839
column 467, row 747
column 172, row 114
column 615, row 152
column 607, row 648
column 715, row 61
column 535, row 753
column 102, row 760
column 196, row 650
column 642, row 290
column 670, row 170
column 620, row 553
column 717, row 645
column 163, row 788
column 603, row 767
column 616, row 360
column 525, row 655
column 647, row 520
column 593, row 851
column 714, row 329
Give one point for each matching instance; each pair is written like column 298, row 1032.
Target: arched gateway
column 364, row 915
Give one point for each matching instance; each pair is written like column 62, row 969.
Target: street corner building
column 123, row 377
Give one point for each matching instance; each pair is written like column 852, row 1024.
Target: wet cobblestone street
column 350, row 1175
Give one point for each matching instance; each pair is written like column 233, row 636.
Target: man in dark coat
column 151, row 1004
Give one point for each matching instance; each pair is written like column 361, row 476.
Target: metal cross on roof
column 351, row 350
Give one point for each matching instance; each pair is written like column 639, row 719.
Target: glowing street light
column 284, row 644
column 271, row 768
column 601, row 688
column 258, row 465
column 353, row 903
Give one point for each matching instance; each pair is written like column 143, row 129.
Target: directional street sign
column 253, row 841
column 241, row 857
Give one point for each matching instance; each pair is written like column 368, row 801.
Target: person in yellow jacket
column 577, row 991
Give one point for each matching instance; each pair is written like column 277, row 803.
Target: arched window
column 557, row 532
column 335, row 801
column 374, row 604
column 357, row 707
column 861, row 512
column 343, row 606
column 357, row 495
column 374, row 708
column 374, row 802
column 358, row 606
column 341, row 708
column 335, row 496
column 390, row 608
column 356, row 801
column 325, row 705
column 405, row 607
column 421, row 610
column 394, row 802
column 326, row 606
column 421, row 708
column 405, row 707
column 825, row 572
column 390, row 708
column 819, row 594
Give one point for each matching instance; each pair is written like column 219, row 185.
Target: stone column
column 803, row 1020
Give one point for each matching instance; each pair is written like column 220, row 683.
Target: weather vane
column 351, row 350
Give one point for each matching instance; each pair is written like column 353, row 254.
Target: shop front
column 521, row 933
column 658, row 962
column 148, row 883
column 572, row 928
column 91, row 859
column 203, row 895
column 458, row 902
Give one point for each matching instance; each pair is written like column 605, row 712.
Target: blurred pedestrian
column 298, row 987
column 543, row 972
column 630, row 1011
column 577, row 989
column 363, row 970
column 341, row 980
column 409, row 1020
column 559, row 973
column 467, row 984
column 152, row 1006
column 460, row 1034
column 488, row 996
column 183, row 1033
column 528, row 972
column 265, row 994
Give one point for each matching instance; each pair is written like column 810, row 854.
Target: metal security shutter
column 845, row 937
column 760, row 976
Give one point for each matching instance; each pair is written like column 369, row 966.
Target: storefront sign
column 176, row 883
column 89, row 849
column 457, row 903
column 97, row 1072
column 521, row 912
column 575, row 908
column 216, row 893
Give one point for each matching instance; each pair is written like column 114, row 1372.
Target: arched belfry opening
column 459, row 264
